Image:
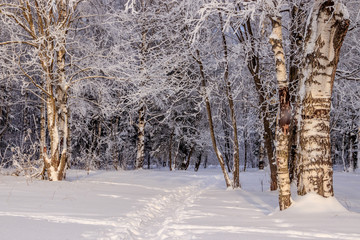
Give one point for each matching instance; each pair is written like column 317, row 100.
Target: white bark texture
column 325, row 31
column 54, row 86
column 284, row 115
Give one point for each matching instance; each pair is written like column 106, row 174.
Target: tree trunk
column 351, row 152
column 227, row 146
column 284, row 116
column 205, row 161
column 343, row 152
column 236, row 170
column 355, row 150
column 55, row 165
column 211, row 125
column 189, row 158
column 140, row 157
column 197, row 163
column 298, row 18
column 43, row 134
column 253, row 65
column 115, row 149
column 245, row 149
column 325, row 33
column 170, row 149
column 141, row 139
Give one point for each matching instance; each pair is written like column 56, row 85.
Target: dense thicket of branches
column 162, row 83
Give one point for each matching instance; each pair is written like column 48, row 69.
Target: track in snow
column 157, row 214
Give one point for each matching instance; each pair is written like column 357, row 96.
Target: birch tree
column 325, row 32
column 284, row 113
column 39, row 46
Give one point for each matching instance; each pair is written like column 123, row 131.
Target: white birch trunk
column 284, row 116
column 325, row 31
column 56, row 104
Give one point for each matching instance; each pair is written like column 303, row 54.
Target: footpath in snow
column 158, row 204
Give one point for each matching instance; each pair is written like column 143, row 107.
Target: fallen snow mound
column 314, row 203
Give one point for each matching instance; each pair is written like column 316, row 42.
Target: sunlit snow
column 159, row 204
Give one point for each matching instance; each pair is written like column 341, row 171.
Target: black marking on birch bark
column 328, row 7
column 341, row 30
column 319, row 42
column 285, row 110
column 279, row 62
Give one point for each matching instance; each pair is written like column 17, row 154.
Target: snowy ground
column 158, row 204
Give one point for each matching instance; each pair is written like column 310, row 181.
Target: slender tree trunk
column 254, row 68
column 343, row 152
column 176, row 155
column 63, row 97
column 170, row 149
column 325, row 33
column 205, row 161
column 189, row 157
column 63, row 117
column 351, row 152
column 357, row 159
column 284, row 116
column 197, row 163
column 140, row 157
column 355, row 150
column 57, row 125
column 52, row 162
column 245, row 149
column 211, row 125
column 43, row 134
column 236, row 170
column 115, row 149
column 268, row 142
column 261, row 156
column 227, row 145
column 141, row 139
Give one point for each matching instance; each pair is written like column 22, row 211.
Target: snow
column 314, row 204
column 159, row 204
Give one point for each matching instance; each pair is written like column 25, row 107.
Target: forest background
column 106, row 84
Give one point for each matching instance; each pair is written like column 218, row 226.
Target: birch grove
column 42, row 29
column 136, row 84
column 45, row 27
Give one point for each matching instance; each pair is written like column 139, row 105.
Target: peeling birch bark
column 325, row 32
